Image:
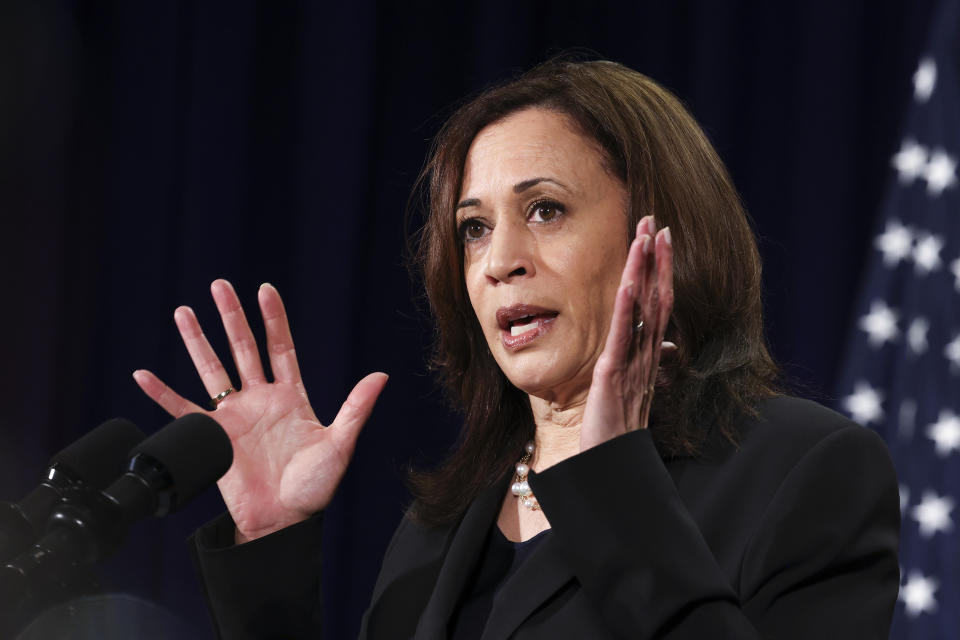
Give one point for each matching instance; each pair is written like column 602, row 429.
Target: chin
column 542, row 377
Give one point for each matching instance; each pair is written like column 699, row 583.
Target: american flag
column 901, row 374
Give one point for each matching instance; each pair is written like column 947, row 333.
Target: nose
column 510, row 254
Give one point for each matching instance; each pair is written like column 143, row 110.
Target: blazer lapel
column 460, row 561
column 538, row 578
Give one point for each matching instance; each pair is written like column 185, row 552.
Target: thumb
column 358, row 406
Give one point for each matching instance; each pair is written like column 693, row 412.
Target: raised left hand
column 621, row 392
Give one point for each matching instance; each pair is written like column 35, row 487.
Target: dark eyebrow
column 520, row 187
column 469, row 202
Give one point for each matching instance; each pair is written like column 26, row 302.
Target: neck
column 558, row 430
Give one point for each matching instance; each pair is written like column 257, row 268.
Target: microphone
column 90, row 463
column 165, row 472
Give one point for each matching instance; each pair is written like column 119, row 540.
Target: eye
column 471, row 230
column 544, row 211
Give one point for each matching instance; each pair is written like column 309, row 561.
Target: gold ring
column 217, row 399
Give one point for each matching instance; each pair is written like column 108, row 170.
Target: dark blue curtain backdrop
column 150, row 147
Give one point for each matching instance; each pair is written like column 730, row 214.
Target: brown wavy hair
column 652, row 144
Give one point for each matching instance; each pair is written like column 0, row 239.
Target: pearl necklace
column 520, row 486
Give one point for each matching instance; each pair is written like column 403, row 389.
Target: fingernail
column 666, row 236
column 267, row 284
column 630, row 288
column 646, row 245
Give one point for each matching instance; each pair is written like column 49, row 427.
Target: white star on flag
column 864, row 403
column 911, row 161
column 952, row 353
column 880, row 324
column 945, row 433
column 955, row 270
column 926, row 253
column 940, row 172
column 895, row 243
column 917, row 335
column 925, row 80
column 917, row 594
column 933, row 514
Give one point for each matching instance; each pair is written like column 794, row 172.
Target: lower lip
column 514, row 343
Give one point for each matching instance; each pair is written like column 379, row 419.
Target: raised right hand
column 286, row 464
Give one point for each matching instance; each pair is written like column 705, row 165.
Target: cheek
column 596, row 280
column 473, row 291
column 474, row 280
column 593, row 268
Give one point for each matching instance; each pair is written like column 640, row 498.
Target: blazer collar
column 540, row 576
column 458, row 565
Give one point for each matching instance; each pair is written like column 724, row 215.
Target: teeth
column 517, row 329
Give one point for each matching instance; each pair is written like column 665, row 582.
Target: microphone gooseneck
column 89, row 464
column 165, row 472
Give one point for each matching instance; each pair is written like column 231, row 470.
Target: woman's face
column 544, row 228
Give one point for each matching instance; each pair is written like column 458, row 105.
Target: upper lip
column 506, row 315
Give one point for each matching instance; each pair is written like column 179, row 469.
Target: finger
column 647, row 226
column 646, row 294
column 214, row 376
column 664, row 257
column 357, row 407
column 649, row 296
column 634, row 255
column 643, row 366
column 616, row 351
column 283, row 358
column 168, row 399
column 633, row 269
column 659, row 315
column 243, row 346
column 620, row 334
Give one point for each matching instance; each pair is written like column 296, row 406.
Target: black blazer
column 792, row 534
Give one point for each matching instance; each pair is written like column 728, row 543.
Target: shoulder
column 809, row 472
column 804, row 488
column 831, row 512
column 794, row 458
column 777, row 439
column 787, row 430
column 792, row 416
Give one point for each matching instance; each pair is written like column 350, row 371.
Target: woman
column 604, row 486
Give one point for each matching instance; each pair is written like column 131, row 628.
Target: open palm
column 286, row 464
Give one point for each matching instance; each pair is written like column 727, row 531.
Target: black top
column 499, row 561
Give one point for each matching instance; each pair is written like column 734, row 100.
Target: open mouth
column 521, row 324
column 529, row 323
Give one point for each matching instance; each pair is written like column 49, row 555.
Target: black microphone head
column 194, row 450
column 98, row 457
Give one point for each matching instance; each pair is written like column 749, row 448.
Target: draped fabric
column 147, row 148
